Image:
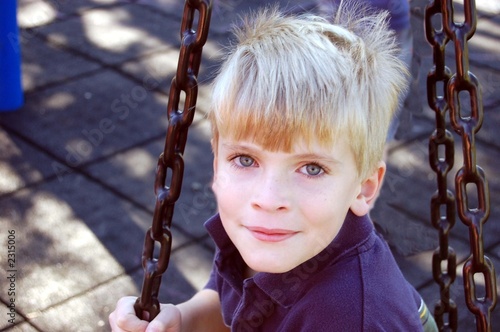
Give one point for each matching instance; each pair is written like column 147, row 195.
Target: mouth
column 270, row 234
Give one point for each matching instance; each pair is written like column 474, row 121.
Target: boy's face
column 281, row 209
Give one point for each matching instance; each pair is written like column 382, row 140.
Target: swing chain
column 443, row 197
column 170, row 169
column 470, row 174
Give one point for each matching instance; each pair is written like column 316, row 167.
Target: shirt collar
column 285, row 288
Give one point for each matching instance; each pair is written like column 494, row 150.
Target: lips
column 271, row 235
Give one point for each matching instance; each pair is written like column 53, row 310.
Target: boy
column 300, row 112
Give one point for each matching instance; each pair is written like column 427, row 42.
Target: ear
column 370, row 188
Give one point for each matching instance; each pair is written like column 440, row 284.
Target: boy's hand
column 123, row 319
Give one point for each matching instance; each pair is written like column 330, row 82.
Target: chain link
column 445, row 311
column 170, row 169
column 470, row 174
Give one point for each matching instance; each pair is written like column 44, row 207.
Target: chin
column 259, row 265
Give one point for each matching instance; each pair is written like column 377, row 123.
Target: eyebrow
column 238, row 147
column 319, row 157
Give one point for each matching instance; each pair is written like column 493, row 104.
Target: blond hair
column 300, row 77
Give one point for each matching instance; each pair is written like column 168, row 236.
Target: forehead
column 275, row 131
column 311, row 148
column 280, row 139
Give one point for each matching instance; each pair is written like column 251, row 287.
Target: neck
column 248, row 272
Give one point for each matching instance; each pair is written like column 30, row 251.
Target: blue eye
column 312, row 170
column 245, row 161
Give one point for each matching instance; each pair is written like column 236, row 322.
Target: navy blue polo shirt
column 354, row 284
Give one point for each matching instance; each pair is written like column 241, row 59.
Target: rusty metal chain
column 170, row 169
column 443, row 197
column 465, row 125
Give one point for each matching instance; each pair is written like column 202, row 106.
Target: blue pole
column 11, row 93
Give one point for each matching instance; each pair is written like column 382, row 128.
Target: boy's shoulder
column 366, row 272
column 364, row 289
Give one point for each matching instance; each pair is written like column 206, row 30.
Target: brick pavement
column 77, row 161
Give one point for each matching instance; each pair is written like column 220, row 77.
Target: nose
column 271, row 193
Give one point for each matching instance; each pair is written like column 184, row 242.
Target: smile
column 270, row 235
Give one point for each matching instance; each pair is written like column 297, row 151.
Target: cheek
column 323, row 228
column 324, row 211
column 220, row 181
column 223, row 188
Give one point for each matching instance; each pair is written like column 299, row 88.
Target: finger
column 131, row 323
column 123, row 318
column 126, row 323
column 168, row 320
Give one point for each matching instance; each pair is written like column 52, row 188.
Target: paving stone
column 188, row 271
column 494, row 252
column 490, row 87
column 23, row 327
column 115, row 34
column 158, row 69
column 20, row 163
column 410, row 184
column 93, row 116
column 43, row 63
column 54, row 262
column 11, row 321
column 178, row 284
column 71, row 7
column 484, row 64
column 398, row 210
column 71, row 236
column 133, row 174
column 171, row 7
column 406, row 235
column 194, row 262
column 32, row 13
column 487, row 8
column 481, row 68
column 417, row 268
column 225, row 12
column 89, row 311
column 484, row 46
column 487, row 159
column 229, row 7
